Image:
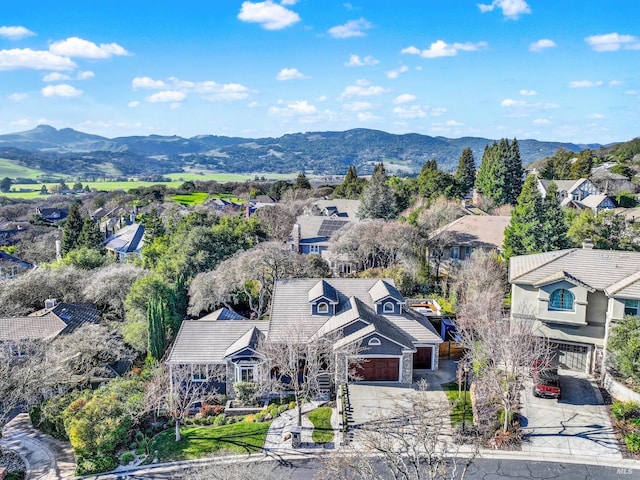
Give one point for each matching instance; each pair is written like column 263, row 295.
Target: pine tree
column 352, row 185
column 378, row 199
column 524, row 233
column 513, row 172
column 487, row 180
column 500, row 175
column 466, row 173
column 581, row 168
column 90, row 236
column 72, row 229
column 302, row 182
column 157, row 333
column 554, row 225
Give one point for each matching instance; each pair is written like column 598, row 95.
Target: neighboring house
column 46, row 324
column 10, row 266
column 456, row 241
column 395, row 341
column 312, row 231
column 126, row 243
column 612, row 184
column 579, row 194
column 257, row 203
column 575, row 296
column 52, row 215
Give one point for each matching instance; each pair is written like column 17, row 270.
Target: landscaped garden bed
column 626, row 421
column 322, row 428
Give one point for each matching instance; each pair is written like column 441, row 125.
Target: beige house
column 574, row 297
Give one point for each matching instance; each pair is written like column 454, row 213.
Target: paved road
column 481, row 469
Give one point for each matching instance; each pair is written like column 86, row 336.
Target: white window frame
column 386, row 304
column 563, row 306
column 374, row 342
column 197, row 373
column 631, row 305
column 322, row 307
column 314, row 249
column 241, row 368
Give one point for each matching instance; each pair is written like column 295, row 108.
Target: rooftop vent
column 50, row 303
column 587, row 244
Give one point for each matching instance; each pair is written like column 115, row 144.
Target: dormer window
column 374, row 342
column 388, row 307
column 323, row 307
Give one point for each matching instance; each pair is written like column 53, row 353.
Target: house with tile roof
column 393, row 340
column 126, row 243
column 579, row 194
column 575, row 296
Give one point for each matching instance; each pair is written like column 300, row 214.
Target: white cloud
column 55, row 77
column 508, row 102
column 269, row 15
column 15, row 32
column 167, row 96
column 22, row 122
column 80, row 48
column 615, row 83
column 133, row 104
column 453, row 123
column 413, row 111
column 595, row 116
column 357, row 106
column 16, row 59
column 86, row 75
column 511, row 9
column 353, row 28
column 585, row 83
column 18, row 97
column 528, row 93
column 541, row 121
column 228, row 91
column 147, row 82
column 440, row 48
column 289, row 74
column 297, row 108
column 367, row 117
column 356, row 61
column 611, row 42
column 404, row 98
column 362, row 88
column 396, row 73
column 632, row 92
column 542, row 44
column 62, row 90
column 438, row 111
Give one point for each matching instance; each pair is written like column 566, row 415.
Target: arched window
column 374, row 342
column 323, row 307
column 561, row 299
column 388, row 307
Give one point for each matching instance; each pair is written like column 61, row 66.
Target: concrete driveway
column 577, row 425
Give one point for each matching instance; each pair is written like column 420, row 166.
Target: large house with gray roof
column 579, row 194
column 575, row 296
column 393, row 341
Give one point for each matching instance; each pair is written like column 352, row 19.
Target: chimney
column 587, row 244
column 295, row 238
column 58, row 250
column 50, row 303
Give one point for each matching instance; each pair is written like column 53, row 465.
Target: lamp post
column 465, row 369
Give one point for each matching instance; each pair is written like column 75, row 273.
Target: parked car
column 546, row 382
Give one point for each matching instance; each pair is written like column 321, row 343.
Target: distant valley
column 70, row 152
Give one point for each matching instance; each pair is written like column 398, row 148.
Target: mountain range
column 71, row 152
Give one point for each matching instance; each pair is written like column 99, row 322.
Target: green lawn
column 322, row 429
column 190, row 199
column 458, row 404
column 197, row 442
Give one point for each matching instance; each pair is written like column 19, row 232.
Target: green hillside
column 9, row 168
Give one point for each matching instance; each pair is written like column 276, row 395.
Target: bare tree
column 176, row 389
column 412, row 442
column 277, row 220
column 108, row 287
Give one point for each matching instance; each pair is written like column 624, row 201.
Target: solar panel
column 328, row 227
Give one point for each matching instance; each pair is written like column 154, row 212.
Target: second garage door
column 379, row 370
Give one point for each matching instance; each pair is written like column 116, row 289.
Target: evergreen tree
column 90, row 236
column 157, row 333
column 5, row 184
column 466, row 173
column 352, row 185
column 558, row 166
column 302, row 182
column 433, row 183
column 554, row 225
column 72, row 229
column 581, row 168
column 488, row 180
column 500, row 175
column 513, row 172
column 179, row 303
column 524, row 233
column 378, row 199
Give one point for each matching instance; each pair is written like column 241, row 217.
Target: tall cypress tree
column 378, row 199
column 554, row 224
column 513, row 172
column 352, row 185
column 302, row 182
column 500, row 175
column 156, row 325
column 72, row 229
column 466, row 173
column 90, row 235
column 524, row 233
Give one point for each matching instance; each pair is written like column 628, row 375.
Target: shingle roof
column 323, row 290
column 566, row 185
column 248, row 340
column 476, row 230
column 223, row 314
column 207, row 341
column 127, row 239
column 594, row 201
column 382, row 290
column 601, row 269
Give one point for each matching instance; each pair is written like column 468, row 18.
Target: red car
column 546, row 382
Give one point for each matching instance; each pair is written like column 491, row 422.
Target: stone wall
column 407, row 368
column 620, row 391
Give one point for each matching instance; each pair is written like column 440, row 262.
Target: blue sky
column 552, row 70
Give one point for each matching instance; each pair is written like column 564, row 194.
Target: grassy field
column 458, row 404
column 190, row 199
column 197, row 442
column 9, row 169
column 322, row 429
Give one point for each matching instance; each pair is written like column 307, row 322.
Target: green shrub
column 624, row 347
column 133, row 446
column 282, row 408
column 126, row 458
column 292, row 405
column 246, row 392
column 624, row 410
column 633, row 442
column 139, row 436
column 259, row 417
column 96, row 464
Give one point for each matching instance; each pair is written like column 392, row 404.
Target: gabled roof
column 563, row 185
column 559, row 276
column 18, row 262
column 207, row 341
column 248, row 340
column 382, row 290
column 127, row 239
column 606, row 270
column 485, row 231
column 626, row 287
column 594, row 201
column 323, row 290
column 223, row 314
